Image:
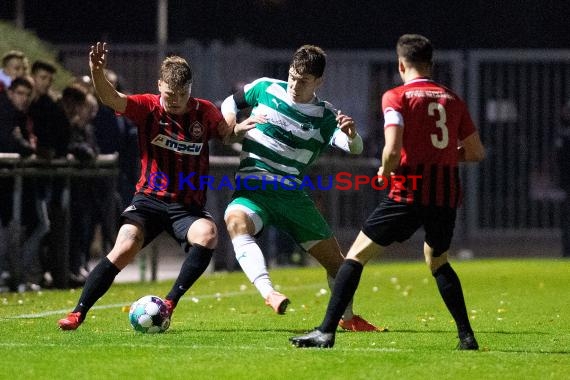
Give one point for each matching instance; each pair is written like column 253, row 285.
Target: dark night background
column 288, row 23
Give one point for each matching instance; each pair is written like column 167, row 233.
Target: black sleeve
column 239, row 98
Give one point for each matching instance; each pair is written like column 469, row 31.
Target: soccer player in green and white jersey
column 292, row 128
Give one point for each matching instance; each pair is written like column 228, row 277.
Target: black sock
column 97, row 284
column 452, row 294
column 345, row 284
column 195, row 264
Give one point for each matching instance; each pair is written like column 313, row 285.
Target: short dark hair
column 415, row 49
column 176, row 72
column 73, row 97
column 21, row 81
column 11, row 55
column 309, row 59
column 43, row 65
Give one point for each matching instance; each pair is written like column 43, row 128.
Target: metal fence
column 514, row 96
column 48, row 175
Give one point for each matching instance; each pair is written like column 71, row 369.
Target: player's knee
column 435, row 257
column 204, row 233
column 436, row 262
column 232, row 223
column 207, row 240
column 443, row 269
column 237, row 223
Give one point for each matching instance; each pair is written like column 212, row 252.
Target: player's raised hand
column 346, row 124
column 98, row 56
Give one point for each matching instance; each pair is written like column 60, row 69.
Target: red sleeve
column 139, row 106
column 393, row 108
column 392, row 99
column 212, row 118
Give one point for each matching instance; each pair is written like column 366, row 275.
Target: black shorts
column 394, row 221
column 155, row 216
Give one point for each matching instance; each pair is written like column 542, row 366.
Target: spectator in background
column 43, row 75
column 563, row 154
column 49, row 120
column 80, row 107
column 14, row 65
column 105, row 122
column 52, row 130
column 108, row 202
column 115, row 133
column 12, row 103
column 129, row 157
column 17, row 136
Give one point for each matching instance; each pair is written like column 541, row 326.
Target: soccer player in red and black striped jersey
column 427, row 130
column 174, row 129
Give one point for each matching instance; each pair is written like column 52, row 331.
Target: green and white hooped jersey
column 294, row 136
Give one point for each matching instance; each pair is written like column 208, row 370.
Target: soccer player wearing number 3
column 427, row 130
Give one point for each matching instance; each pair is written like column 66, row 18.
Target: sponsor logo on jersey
column 180, row 146
column 305, row 131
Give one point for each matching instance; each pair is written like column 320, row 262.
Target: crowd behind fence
column 46, row 172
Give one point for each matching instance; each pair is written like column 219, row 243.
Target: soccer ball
column 149, row 315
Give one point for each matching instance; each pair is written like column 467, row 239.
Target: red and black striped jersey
column 434, row 119
column 173, row 148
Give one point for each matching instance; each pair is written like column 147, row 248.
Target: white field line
column 209, row 346
column 186, row 298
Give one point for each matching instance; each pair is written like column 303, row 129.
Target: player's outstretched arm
column 104, row 89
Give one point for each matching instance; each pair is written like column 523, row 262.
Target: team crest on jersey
column 180, row 146
column 196, row 130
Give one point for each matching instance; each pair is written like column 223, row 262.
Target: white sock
column 252, row 262
column 348, row 313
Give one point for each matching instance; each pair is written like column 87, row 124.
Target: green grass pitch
column 520, row 311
